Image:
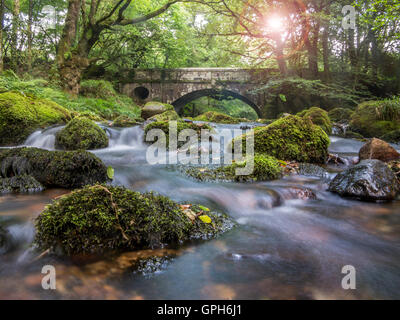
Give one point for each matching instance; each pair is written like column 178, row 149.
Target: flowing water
column 282, row 248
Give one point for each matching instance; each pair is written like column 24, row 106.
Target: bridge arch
column 181, row 102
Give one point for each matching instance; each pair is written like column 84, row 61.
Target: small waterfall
column 43, row 139
column 126, row 138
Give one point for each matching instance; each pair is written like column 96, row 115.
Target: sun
column 275, row 23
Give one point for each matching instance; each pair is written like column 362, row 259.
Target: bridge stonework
column 181, row 86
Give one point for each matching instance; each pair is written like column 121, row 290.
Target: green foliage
column 340, row 114
column 301, row 94
column 81, row 133
column 106, row 106
column 291, row 138
column 234, row 108
column 21, row 115
column 102, row 218
column 376, row 118
column 319, row 117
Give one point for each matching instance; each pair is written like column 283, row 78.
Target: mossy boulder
column 266, row 168
column 21, row 115
column 340, row 114
column 376, row 118
column 126, row 121
column 81, row 134
column 392, row 136
column 180, row 125
column 153, row 108
column 217, row 117
column 64, row 169
column 319, row 117
column 169, row 115
column 22, row 183
column 291, row 138
column 97, row 89
column 100, row 218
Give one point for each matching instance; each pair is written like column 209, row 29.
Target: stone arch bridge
column 181, row 86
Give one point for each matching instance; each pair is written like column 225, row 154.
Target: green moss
column 65, row 169
column 97, row 89
column 319, row 117
column 169, row 115
column 100, row 218
column 265, row 168
column 21, row 115
column 340, row 114
column 291, row 138
column 126, row 122
column 392, row 136
column 376, row 118
column 81, row 134
column 181, row 125
column 23, row 183
column 217, row 117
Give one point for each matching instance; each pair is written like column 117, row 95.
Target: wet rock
column 81, row 134
column 370, row 180
column 151, row 265
column 153, row 108
column 336, row 160
column 307, row 169
column 379, row 150
column 64, row 169
column 22, row 184
column 113, row 218
column 395, row 167
column 3, row 240
column 300, row 193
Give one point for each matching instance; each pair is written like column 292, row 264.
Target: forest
column 127, row 129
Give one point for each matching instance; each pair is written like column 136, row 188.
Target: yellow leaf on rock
column 205, row 219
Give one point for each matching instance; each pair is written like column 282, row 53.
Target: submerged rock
column 65, row 169
column 100, row 218
column 81, row 134
column 370, row 180
column 151, row 265
column 299, row 193
column 308, row 169
column 23, row 183
column 378, row 149
column 292, row 139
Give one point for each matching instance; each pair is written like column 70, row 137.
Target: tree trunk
column 14, row 35
column 69, row 63
column 325, row 49
column 1, row 35
column 279, row 54
column 30, row 35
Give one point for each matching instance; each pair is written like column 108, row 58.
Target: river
column 282, row 248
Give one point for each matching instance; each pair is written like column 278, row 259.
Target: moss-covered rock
column 153, row 108
column 21, row 115
column 97, row 89
column 376, row 118
column 340, row 114
column 181, row 125
column 100, row 218
column 23, row 184
column 81, row 134
column 319, row 117
column 291, row 138
column 392, row 136
column 65, row 169
column 169, row 115
column 217, row 117
column 126, row 121
column 266, row 168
